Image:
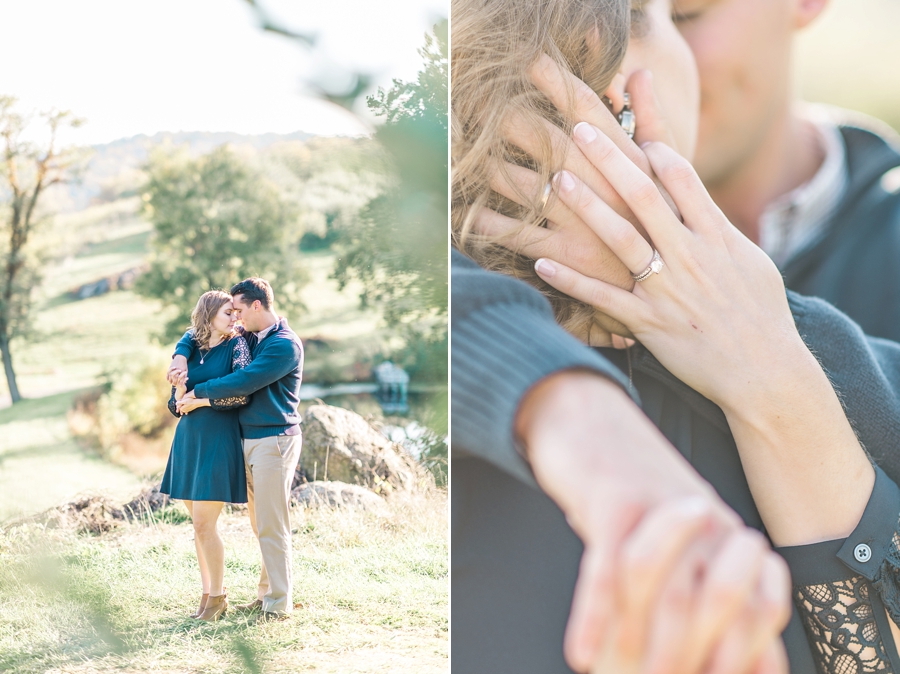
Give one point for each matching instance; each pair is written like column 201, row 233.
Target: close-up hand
column 189, row 403
column 179, row 379
column 715, row 309
column 186, row 399
column 668, row 572
column 567, row 238
column 177, row 367
column 696, row 595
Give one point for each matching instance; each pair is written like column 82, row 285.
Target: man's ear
column 806, row 11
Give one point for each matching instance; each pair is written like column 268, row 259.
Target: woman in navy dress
column 206, row 463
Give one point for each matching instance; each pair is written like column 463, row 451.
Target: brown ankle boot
column 215, row 608
column 203, row 601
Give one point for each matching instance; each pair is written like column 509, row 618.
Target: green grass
column 75, row 343
column 373, row 587
column 42, row 466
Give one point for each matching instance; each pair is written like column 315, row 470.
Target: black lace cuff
column 842, row 589
column 172, row 408
column 228, row 403
column 240, row 358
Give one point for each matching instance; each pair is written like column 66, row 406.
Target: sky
column 143, row 66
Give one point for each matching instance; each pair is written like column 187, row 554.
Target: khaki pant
column 271, row 463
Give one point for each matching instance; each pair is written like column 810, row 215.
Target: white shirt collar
column 265, row 331
column 796, row 221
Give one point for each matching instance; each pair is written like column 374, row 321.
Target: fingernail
column 564, row 181
column 645, row 144
column 584, row 132
column 544, row 268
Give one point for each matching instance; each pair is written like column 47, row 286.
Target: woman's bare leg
column 205, row 515
column 201, row 560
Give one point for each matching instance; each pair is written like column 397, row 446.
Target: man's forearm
column 581, row 431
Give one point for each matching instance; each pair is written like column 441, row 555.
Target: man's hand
column 567, row 238
column 177, row 368
column 662, row 551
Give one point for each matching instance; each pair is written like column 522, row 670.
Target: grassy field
column 373, row 589
column 76, row 342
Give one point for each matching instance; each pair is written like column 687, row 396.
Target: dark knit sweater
column 273, row 379
column 854, row 266
column 514, row 557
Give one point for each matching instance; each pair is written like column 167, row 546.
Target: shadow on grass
column 89, row 626
column 65, row 297
column 37, row 451
column 29, row 409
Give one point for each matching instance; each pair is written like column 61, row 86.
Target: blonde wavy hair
column 494, row 43
column 201, row 317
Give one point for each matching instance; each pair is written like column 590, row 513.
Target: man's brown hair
column 255, row 288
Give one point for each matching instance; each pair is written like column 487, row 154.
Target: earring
column 626, row 117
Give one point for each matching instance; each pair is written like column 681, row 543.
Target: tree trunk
column 8, row 367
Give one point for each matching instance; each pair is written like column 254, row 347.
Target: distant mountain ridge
column 114, row 168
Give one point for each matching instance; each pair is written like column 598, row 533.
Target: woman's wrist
column 773, row 388
column 809, row 476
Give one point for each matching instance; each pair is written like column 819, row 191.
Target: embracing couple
column 692, row 494
column 236, row 391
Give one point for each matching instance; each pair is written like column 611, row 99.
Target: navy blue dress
column 206, row 462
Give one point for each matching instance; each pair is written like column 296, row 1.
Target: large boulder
column 337, row 495
column 340, row 445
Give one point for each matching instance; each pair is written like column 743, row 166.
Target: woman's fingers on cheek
column 685, row 188
column 617, row 233
column 619, row 304
column 513, row 234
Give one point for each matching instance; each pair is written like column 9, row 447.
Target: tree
column 398, row 245
column 28, row 170
column 216, row 221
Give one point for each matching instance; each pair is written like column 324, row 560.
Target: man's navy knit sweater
column 272, row 380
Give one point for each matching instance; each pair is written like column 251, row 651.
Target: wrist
column 765, row 394
column 595, row 453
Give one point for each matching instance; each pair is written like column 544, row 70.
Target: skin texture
column 205, row 514
column 664, row 51
column 715, row 312
column 752, row 147
column 210, row 550
column 669, row 577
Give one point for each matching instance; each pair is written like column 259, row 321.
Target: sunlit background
column 208, row 141
column 142, row 67
column 850, row 56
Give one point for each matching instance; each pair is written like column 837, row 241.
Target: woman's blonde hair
column 494, row 43
column 201, row 317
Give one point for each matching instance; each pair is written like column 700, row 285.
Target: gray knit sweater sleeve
column 504, row 340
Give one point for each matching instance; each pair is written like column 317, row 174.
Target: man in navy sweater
column 270, row 427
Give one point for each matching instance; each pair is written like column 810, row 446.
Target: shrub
column 134, row 402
